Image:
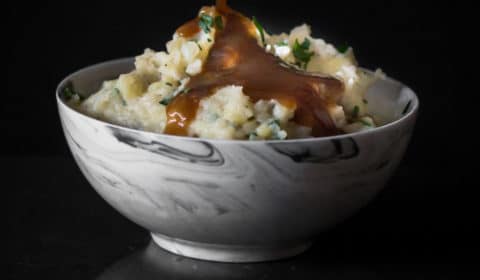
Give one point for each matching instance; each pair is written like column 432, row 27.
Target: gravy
column 236, row 59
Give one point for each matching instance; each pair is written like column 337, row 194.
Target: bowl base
column 227, row 253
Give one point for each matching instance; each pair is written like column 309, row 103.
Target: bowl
column 236, row 200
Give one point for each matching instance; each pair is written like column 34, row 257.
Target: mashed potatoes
column 138, row 99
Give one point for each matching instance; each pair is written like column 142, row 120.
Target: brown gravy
column 236, row 59
column 189, row 29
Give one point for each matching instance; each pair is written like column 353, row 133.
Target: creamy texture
column 237, row 59
column 228, row 83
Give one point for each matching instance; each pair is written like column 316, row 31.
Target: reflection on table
column 152, row 262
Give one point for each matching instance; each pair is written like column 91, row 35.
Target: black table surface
column 62, row 229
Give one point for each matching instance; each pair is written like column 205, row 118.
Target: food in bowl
column 224, row 77
column 232, row 201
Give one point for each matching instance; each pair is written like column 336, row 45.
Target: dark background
column 421, row 225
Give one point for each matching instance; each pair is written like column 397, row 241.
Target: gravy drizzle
column 236, row 59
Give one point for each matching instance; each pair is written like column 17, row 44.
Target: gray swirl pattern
column 235, row 201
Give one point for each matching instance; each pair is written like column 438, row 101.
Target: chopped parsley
column 260, row 29
column 301, row 53
column 405, row 110
column 199, row 47
column 165, row 101
column 209, row 40
column 213, row 116
column 343, row 48
column 206, row 22
column 169, row 84
column 116, row 91
column 364, row 122
column 282, row 43
column 279, row 135
column 69, row 92
column 219, row 22
column 274, row 123
column 277, row 132
column 355, row 111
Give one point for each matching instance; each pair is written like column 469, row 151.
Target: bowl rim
column 391, row 125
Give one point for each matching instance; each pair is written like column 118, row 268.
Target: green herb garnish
column 214, row 116
column 199, row 47
column 343, row 48
column 117, row 92
column 405, row 110
column 282, row 43
column 274, row 123
column 169, row 84
column 355, row 111
column 166, row 101
column 301, row 53
column 219, row 22
column 277, row 136
column 364, row 122
column 209, row 40
column 206, row 22
column 260, row 29
column 277, row 133
column 69, row 92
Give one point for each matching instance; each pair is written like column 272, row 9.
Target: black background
column 59, row 227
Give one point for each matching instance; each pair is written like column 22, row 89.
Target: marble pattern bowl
column 236, row 200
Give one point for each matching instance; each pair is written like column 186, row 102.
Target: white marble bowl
column 236, row 201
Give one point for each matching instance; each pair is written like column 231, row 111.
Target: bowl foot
column 227, row 253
